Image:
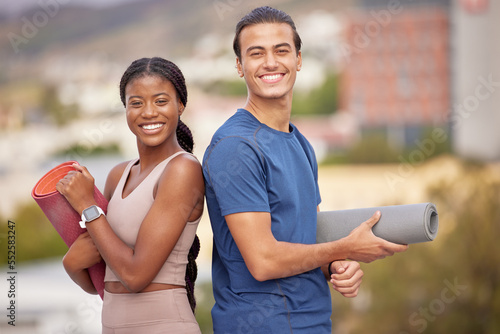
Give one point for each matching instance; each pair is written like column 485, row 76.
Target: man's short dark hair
column 265, row 14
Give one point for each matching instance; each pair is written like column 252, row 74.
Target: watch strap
column 84, row 220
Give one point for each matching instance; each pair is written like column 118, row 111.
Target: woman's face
column 153, row 110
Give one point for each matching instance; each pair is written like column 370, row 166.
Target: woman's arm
column 179, row 198
column 83, row 253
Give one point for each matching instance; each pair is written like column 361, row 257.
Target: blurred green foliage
column 57, row 112
column 36, row 102
column 450, row 285
column 36, row 238
column 204, row 303
column 78, row 149
column 323, row 100
column 226, row 88
column 374, row 147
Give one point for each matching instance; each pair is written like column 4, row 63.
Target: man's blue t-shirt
column 250, row 167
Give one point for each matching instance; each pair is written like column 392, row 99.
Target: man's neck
column 273, row 113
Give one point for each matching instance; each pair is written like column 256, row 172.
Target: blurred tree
column 323, row 100
column 226, row 88
column 58, row 113
column 204, row 303
column 36, row 238
column 78, row 149
column 450, row 285
column 372, row 148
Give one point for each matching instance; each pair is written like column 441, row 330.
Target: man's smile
column 272, row 78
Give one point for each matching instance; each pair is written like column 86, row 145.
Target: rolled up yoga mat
column 401, row 224
column 63, row 217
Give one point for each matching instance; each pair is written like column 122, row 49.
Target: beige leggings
column 164, row 311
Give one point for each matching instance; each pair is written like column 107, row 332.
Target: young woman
column 155, row 205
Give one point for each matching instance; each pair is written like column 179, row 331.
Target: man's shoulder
column 235, row 135
column 238, row 127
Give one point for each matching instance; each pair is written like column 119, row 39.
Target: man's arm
column 268, row 258
column 345, row 276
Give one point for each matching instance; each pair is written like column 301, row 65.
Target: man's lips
column 272, row 78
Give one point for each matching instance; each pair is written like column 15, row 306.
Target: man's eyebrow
column 277, row 46
column 282, row 45
column 251, row 48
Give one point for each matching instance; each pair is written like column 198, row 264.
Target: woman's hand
column 82, row 254
column 78, row 188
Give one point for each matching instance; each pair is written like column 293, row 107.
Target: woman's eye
column 135, row 103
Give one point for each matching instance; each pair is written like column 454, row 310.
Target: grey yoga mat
column 402, row 224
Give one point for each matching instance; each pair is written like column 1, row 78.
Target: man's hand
column 364, row 246
column 346, row 277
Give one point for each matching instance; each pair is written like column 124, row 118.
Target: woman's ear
column 181, row 107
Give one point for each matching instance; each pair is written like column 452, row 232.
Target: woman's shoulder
column 184, row 163
column 184, row 174
column 183, row 168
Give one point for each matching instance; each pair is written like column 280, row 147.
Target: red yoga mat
column 63, row 217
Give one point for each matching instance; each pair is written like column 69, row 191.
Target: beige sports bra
column 125, row 215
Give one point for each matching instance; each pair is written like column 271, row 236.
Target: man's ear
column 239, row 68
column 299, row 61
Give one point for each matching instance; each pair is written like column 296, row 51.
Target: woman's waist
column 171, row 274
column 118, row 287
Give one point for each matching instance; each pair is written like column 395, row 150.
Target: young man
column 262, row 193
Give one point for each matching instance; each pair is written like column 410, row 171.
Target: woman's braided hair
column 169, row 71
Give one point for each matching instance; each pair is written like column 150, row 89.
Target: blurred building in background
column 476, row 79
column 413, row 66
column 396, row 74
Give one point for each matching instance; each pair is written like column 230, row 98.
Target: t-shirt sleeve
column 234, row 169
column 311, row 156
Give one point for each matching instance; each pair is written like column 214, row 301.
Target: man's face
column 269, row 61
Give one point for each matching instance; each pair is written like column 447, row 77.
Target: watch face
column 91, row 213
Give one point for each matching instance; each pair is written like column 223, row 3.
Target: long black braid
column 169, row 71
